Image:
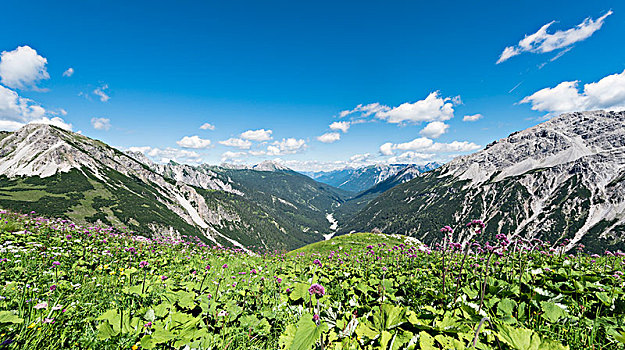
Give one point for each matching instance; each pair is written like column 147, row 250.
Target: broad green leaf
column 551, row 311
column 505, row 307
column 300, row 291
column 10, row 317
column 286, row 338
column 426, row 341
column 105, row 331
column 307, row 333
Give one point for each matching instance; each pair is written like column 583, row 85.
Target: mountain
column 63, row 174
column 361, row 179
column 562, row 179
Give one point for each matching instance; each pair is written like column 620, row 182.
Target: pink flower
column 41, row 306
column 56, row 263
column 317, row 289
column 143, row 264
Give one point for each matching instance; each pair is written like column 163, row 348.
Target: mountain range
column 363, row 178
column 561, row 181
column 63, row 174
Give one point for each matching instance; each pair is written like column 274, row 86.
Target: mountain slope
column 361, row 179
column 63, row 174
column 564, row 178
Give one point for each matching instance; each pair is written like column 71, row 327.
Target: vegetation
column 70, row 287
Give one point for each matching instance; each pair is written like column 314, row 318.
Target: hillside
column 63, row 174
column 562, row 179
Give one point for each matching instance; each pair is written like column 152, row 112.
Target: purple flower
column 143, row 264
column 315, row 317
column 53, row 287
column 56, row 263
column 147, row 325
column 317, row 289
column 163, row 278
column 317, row 262
column 225, row 266
column 208, row 267
column 447, row 229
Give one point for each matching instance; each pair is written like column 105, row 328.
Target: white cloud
column 329, row 137
column 426, row 145
column 229, row 156
column 193, row 142
column 541, row 41
column 472, row 118
column 16, row 111
column 69, row 72
column 410, row 157
column 365, row 110
column 608, row 93
column 257, row 135
column 343, row 126
column 359, row 158
column 432, row 108
column 286, row 146
column 100, row 92
column 238, row 143
column 167, row 154
column 22, row 68
column 434, row 129
column 207, row 126
column 101, row 123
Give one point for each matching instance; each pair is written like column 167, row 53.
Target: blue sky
column 147, row 74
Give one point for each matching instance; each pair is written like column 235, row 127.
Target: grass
column 70, row 287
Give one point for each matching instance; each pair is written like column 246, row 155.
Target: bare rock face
column 562, row 179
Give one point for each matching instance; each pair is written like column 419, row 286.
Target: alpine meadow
column 312, row 175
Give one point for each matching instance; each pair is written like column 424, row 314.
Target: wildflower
column 48, row 320
column 225, row 266
column 207, row 268
column 53, row 287
column 143, row 264
column 317, row 289
column 163, row 278
column 317, row 262
column 40, row 306
column 315, row 317
column 147, row 325
column 56, row 263
column 447, row 229
column 222, row 313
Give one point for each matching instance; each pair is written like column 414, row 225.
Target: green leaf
column 105, row 331
column 364, row 331
column 300, row 291
column 307, row 333
column 505, row 307
column 605, row 298
column 384, row 339
column 519, row 338
column 10, row 317
column 146, row 342
column 286, row 338
column 162, row 336
column 426, row 341
column 551, row 311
